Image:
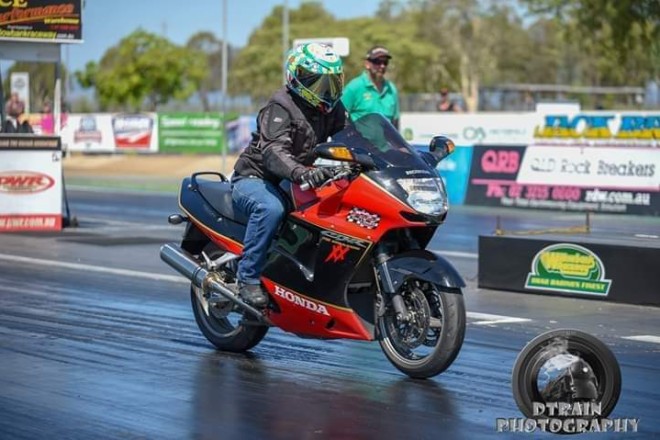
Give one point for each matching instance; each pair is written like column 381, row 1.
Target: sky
column 106, row 22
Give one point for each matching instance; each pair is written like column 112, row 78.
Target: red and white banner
column 110, row 133
column 30, row 190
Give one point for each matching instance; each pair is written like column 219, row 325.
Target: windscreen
column 377, row 137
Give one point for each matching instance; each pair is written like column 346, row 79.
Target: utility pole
column 223, row 101
column 285, row 36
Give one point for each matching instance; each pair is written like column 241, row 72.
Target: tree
column 144, row 68
column 620, row 39
column 42, row 81
column 206, row 43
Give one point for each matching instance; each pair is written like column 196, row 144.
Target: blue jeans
column 262, row 203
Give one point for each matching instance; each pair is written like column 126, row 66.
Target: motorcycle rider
column 301, row 114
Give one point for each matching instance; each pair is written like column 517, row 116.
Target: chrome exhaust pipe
column 183, row 263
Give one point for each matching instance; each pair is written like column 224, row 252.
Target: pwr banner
column 31, row 188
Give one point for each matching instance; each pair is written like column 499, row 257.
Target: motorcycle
column 349, row 260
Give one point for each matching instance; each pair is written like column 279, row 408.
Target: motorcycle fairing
column 424, row 265
column 308, row 316
column 319, row 262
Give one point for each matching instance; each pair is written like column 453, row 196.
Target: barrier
column 30, row 183
column 617, row 269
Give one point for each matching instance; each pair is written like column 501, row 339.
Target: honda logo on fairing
column 24, row 182
column 300, row 301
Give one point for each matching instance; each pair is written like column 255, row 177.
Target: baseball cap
column 378, row 52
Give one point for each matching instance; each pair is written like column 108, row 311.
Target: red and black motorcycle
column 349, row 261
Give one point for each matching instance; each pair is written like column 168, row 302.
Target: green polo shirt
column 361, row 97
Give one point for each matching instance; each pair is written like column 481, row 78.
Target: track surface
column 97, row 340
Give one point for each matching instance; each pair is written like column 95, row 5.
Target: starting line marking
column 488, row 319
column 644, row 338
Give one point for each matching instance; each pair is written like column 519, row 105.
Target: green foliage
column 144, row 67
column 210, row 47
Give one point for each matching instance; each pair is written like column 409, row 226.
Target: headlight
column 427, row 196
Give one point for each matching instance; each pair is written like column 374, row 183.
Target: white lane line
column 644, row 338
column 458, row 254
column 489, row 319
column 482, row 318
column 98, row 269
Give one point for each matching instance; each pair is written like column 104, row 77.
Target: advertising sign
column 20, row 84
column 568, row 267
column 132, row 131
column 633, row 129
column 30, row 184
column 58, row 21
column 107, row 133
column 469, row 128
column 621, row 180
column 190, row 132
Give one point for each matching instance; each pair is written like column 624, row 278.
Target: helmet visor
column 327, row 87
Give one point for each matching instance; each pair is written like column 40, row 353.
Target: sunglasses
column 380, row 62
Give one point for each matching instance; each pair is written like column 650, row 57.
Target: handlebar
column 339, row 173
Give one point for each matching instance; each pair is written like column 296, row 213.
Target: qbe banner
column 30, row 190
column 601, row 179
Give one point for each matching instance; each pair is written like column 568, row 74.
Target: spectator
column 446, row 104
column 371, row 92
column 47, row 119
column 14, row 112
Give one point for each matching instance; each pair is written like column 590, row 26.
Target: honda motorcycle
column 349, row 260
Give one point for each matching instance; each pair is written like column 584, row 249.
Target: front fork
column 386, row 286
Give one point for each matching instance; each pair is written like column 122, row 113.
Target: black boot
column 253, row 294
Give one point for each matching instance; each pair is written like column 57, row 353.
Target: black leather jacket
column 287, row 130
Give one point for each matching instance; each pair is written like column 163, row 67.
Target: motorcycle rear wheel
column 423, row 347
column 226, row 328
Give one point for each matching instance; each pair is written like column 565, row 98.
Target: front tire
column 429, row 342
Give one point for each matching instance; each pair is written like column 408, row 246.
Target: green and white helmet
column 315, row 73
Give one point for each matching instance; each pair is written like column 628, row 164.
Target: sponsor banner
column 108, row 133
column 640, row 129
column 30, row 190
column 519, row 177
column 132, row 131
column 239, row 132
column 29, row 142
column 190, row 132
column 617, row 168
column 469, row 128
column 57, row 21
column 32, row 222
column 567, row 267
column 589, row 267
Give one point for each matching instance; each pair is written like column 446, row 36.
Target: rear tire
column 222, row 332
column 224, row 326
column 434, row 348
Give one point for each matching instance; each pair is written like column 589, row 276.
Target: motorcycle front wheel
column 425, row 344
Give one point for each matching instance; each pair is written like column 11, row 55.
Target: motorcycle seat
column 218, row 195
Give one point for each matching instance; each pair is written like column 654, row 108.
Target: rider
column 298, row 116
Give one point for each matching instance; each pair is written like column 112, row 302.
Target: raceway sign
column 567, row 267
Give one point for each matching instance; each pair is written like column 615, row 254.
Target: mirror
column 441, row 147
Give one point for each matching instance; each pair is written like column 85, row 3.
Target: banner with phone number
column 607, row 179
column 57, row 21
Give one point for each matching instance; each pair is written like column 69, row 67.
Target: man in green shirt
column 371, row 92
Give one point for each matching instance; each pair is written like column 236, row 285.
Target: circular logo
column 565, row 381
